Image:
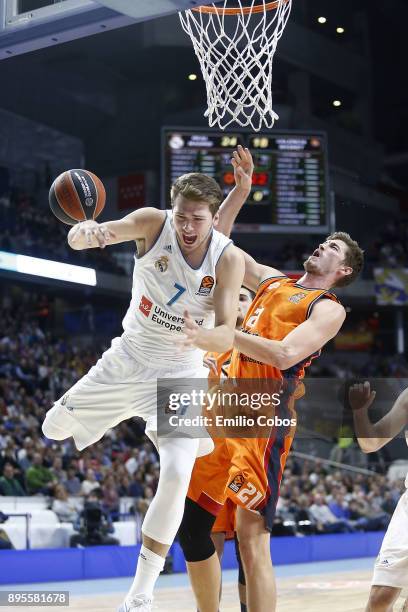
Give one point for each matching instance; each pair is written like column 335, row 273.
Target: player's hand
column 192, row 333
column 88, row 230
column 361, row 396
column 243, row 168
column 211, row 364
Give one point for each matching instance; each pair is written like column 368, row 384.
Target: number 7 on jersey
column 180, row 291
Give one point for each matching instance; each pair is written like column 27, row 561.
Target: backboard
column 24, row 28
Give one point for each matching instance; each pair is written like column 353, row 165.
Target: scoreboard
column 290, row 183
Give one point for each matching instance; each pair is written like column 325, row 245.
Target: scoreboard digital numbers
column 290, row 181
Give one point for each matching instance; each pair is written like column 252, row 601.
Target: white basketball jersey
column 406, row 440
column 164, row 286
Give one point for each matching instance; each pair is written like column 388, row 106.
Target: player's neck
column 314, row 281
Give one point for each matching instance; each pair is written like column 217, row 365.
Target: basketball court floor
column 338, row 586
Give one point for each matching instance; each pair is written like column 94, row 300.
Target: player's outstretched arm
column 243, row 165
column 230, row 273
column 373, row 436
column 243, row 168
column 137, row 225
column 305, row 340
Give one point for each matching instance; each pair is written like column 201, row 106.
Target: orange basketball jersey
column 222, row 362
column 248, row 471
column 280, row 305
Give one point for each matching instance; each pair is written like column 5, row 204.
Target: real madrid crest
column 295, row 299
column 162, row 264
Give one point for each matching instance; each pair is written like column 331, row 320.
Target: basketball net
column 235, row 48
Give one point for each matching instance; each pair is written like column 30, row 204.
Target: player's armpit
column 256, row 273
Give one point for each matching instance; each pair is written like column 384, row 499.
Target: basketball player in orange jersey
column 391, row 567
column 183, row 263
column 224, row 526
column 285, row 328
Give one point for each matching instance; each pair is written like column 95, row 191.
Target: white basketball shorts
column 391, row 566
column 115, row 389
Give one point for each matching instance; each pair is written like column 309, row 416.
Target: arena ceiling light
column 322, row 19
column 340, row 30
column 46, row 268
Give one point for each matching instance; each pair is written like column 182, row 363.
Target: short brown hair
column 354, row 257
column 196, row 186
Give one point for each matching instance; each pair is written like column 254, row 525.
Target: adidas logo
column 168, row 248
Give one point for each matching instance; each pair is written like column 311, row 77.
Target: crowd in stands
column 390, row 248
column 30, row 229
column 317, row 499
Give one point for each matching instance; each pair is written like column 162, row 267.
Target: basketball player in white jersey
column 184, row 271
column 391, row 567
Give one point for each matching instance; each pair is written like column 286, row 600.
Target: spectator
column 8, row 484
column 325, row 520
column 90, row 483
column 136, row 486
column 339, row 507
column 132, row 464
column 56, row 469
column 304, row 521
column 110, row 499
column 142, row 504
column 72, row 482
column 39, row 478
column 63, row 507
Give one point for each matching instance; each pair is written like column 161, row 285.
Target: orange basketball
column 77, row 195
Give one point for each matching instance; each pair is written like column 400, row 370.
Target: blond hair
column 196, row 186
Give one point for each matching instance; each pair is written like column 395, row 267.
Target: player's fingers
column 99, row 238
column 212, row 364
column 88, row 236
column 187, row 316
column 237, row 157
column 245, row 153
column 241, row 151
column 106, row 235
column 75, row 233
column 234, row 163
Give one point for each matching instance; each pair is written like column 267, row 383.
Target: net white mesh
column 236, row 54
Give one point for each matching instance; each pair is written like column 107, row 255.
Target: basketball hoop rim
column 245, row 10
